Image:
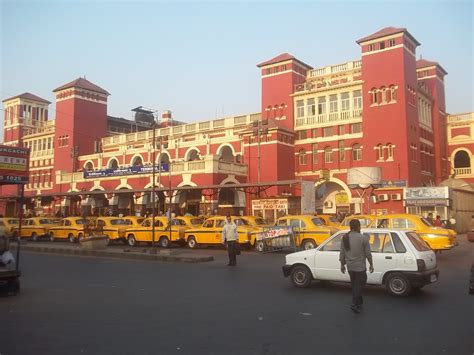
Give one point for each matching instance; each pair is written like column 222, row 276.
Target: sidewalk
column 176, row 255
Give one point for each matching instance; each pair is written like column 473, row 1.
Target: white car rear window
column 417, row 242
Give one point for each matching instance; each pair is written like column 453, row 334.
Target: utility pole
column 153, row 189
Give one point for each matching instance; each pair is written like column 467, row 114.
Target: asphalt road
column 79, row 305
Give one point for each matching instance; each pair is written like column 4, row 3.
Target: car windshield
column 334, row 219
column 260, row 221
column 13, row 221
column 426, row 222
column 334, row 244
column 79, row 221
column 196, row 221
column 47, row 221
column 417, row 242
column 118, row 222
column 178, row 222
column 317, row 221
column 241, row 222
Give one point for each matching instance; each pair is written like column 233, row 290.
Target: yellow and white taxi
column 364, row 219
column 256, row 221
column 210, row 233
column 9, row 223
column 112, row 227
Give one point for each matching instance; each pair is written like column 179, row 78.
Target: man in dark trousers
column 231, row 238
column 355, row 249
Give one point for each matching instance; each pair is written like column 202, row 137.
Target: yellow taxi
column 35, row 228
column 309, row 230
column 9, row 223
column 113, row 227
column 437, row 238
column 330, row 221
column 188, row 221
column 210, row 233
column 165, row 234
column 71, row 228
column 256, row 221
column 133, row 221
column 364, row 219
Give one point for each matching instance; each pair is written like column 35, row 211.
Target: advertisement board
column 14, row 164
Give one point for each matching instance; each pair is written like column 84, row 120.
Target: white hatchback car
column 402, row 261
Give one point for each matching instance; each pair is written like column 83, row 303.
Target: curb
column 109, row 254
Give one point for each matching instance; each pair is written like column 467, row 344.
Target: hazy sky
column 199, row 59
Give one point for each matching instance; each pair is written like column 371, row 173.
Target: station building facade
column 385, row 109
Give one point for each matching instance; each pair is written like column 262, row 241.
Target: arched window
column 302, row 157
column 379, row 152
column 390, row 151
column 462, row 160
column 137, row 161
column 113, row 164
column 89, row 166
column 328, row 155
column 373, row 96
column 356, row 152
column 193, row 155
column 393, row 93
column 226, row 154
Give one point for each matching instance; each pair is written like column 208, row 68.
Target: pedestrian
column 430, row 218
column 437, row 222
column 355, row 248
column 230, row 237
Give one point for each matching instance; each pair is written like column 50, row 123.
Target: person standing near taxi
column 230, row 238
column 355, row 249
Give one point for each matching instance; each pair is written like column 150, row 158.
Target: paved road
column 79, row 305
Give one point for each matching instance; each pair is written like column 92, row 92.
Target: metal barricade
column 278, row 238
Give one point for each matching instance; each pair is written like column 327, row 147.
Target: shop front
column 425, row 200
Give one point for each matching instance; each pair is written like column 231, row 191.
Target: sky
column 198, row 59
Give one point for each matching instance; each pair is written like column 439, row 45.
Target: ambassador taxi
column 437, row 238
column 112, row 227
column 309, row 230
column 9, row 224
column 165, row 233
column 210, row 233
column 36, row 228
column 71, row 228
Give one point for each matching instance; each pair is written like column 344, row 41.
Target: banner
column 14, row 165
column 131, row 170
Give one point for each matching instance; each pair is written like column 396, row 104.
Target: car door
column 326, row 261
column 299, row 229
column 383, row 255
column 207, row 233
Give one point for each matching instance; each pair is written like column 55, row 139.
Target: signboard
column 308, row 197
column 393, row 183
column 364, row 177
column 270, row 204
column 14, row 164
column 131, row 170
column 423, row 193
column 427, row 202
column 342, row 198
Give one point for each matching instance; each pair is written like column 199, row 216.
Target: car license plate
column 433, row 278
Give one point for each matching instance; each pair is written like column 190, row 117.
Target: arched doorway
column 188, row 201
column 147, row 203
column 122, row 203
column 231, row 200
column 226, row 154
column 462, row 163
column 333, row 198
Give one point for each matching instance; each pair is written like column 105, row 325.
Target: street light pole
column 153, row 189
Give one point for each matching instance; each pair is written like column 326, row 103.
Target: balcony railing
column 461, row 117
column 462, row 171
column 327, row 118
column 337, row 68
column 211, row 165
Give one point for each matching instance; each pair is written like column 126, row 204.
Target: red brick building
column 386, row 109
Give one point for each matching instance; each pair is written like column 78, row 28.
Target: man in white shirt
column 230, row 237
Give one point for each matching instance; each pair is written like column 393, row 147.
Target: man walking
column 230, row 237
column 355, row 249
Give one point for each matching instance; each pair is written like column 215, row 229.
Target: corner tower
column 22, row 114
column 390, row 117
column 280, row 75
column 81, row 119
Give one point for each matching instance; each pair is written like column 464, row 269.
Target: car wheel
column 131, row 240
column 301, row 276
column 309, row 244
column 398, row 285
column 192, row 244
column 79, row 237
column 164, row 242
column 34, row 236
column 71, row 238
column 259, row 246
column 51, row 237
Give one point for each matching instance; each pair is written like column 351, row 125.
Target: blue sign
column 131, row 170
column 394, row 183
